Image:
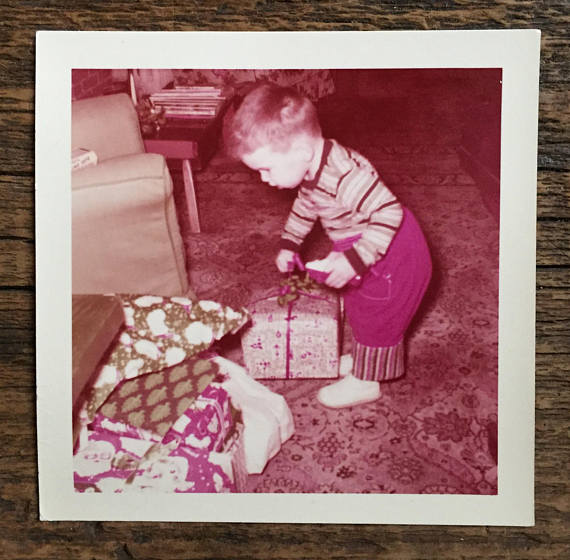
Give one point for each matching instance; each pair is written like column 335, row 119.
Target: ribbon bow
column 291, row 287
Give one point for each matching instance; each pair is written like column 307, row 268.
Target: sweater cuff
column 289, row 245
column 356, row 262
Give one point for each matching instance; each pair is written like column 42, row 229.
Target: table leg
column 190, row 193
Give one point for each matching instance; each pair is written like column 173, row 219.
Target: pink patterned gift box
column 180, row 470
column 113, row 463
column 201, row 452
column 107, row 460
column 293, row 337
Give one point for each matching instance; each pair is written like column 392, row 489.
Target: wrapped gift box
column 117, row 462
column 131, row 447
column 294, row 333
column 177, row 468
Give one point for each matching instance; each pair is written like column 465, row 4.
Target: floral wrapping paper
column 119, row 457
column 104, row 424
column 107, row 460
column 207, row 423
column 181, row 470
column 293, row 339
column 113, row 463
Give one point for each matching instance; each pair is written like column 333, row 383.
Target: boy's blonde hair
column 270, row 115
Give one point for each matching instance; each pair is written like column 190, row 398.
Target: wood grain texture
column 22, row 536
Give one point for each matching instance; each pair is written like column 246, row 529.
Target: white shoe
column 349, row 391
column 345, row 365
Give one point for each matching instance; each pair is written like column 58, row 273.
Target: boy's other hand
column 285, row 260
column 339, row 268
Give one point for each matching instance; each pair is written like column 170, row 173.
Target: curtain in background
column 313, row 83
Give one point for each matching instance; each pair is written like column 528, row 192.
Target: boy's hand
column 285, row 260
column 339, row 268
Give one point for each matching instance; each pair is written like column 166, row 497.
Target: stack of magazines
column 189, row 101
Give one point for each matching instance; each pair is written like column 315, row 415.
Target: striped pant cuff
column 377, row 363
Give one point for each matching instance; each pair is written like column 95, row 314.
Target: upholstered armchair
column 126, row 237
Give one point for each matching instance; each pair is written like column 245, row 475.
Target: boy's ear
column 288, row 113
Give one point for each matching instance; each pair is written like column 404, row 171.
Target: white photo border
column 515, row 51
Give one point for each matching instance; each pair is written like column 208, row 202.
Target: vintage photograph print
column 402, row 169
column 285, row 280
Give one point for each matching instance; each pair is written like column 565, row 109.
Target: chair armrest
column 126, row 237
column 118, row 170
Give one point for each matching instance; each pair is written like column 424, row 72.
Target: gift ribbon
column 289, row 291
column 292, row 287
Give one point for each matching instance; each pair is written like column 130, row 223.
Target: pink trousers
column 381, row 308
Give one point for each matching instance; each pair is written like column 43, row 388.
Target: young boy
column 379, row 257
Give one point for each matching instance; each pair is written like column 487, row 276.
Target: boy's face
column 284, row 170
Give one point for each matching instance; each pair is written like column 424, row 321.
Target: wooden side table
column 193, row 141
column 96, row 320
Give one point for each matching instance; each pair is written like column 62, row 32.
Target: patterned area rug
column 434, row 431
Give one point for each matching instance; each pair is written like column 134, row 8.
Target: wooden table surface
column 23, row 536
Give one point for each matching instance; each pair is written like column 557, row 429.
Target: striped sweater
column 350, row 199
